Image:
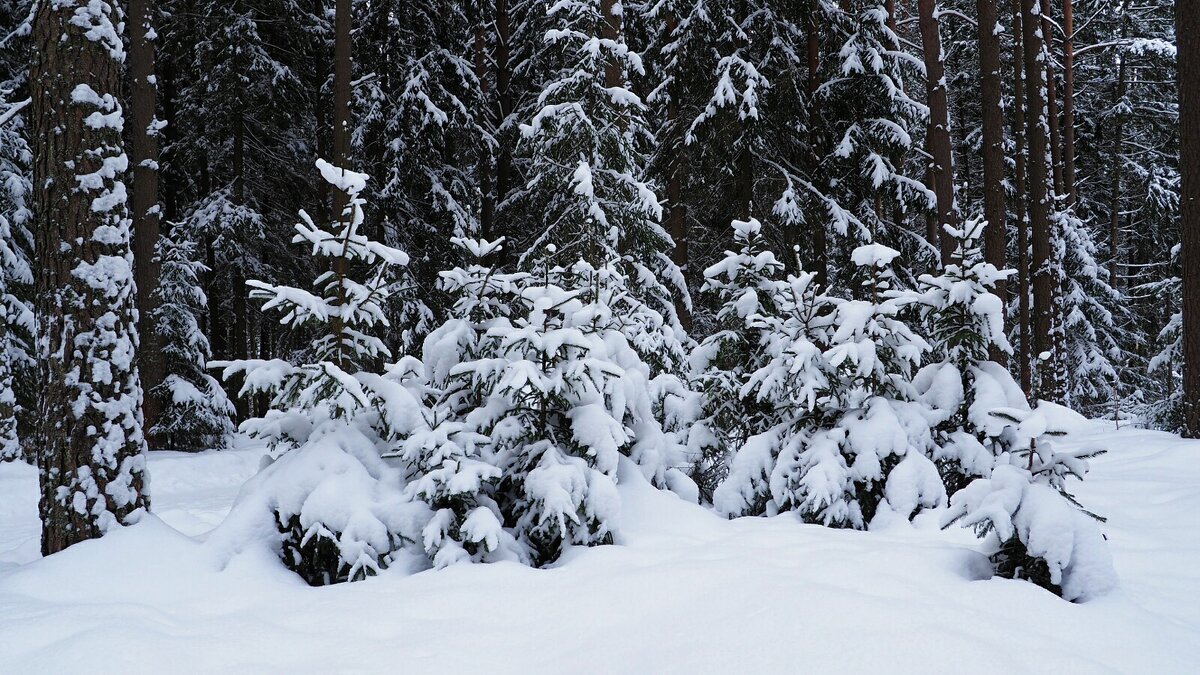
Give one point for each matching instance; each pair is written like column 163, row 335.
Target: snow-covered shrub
column 334, row 412
column 745, row 282
column 882, row 433
column 790, row 383
column 965, row 322
column 197, row 414
column 1035, row 529
column 563, row 396
column 454, row 466
column 852, row 435
column 332, row 509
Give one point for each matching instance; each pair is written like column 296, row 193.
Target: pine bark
column 937, row 137
column 1052, row 118
column 1069, row 102
column 1187, row 35
column 995, row 239
column 90, row 449
column 1038, row 198
column 144, row 200
column 1020, row 206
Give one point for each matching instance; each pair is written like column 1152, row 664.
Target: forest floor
column 684, row 592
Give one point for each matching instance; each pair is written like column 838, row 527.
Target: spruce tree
column 196, row 414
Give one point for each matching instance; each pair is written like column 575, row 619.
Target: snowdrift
column 684, row 591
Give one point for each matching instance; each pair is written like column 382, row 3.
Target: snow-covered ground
column 685, row 592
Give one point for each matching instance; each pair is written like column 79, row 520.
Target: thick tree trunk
column 937, row 137
column 144, row 204
column 1020, row 207
column 1187, row 35
column 1038, row 199
column 90, row 449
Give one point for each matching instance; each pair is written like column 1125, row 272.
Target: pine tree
column 91, row 452
column 586, row 176
column 454, row 463
column 965, row 321
column 1036, row 529
column 334, row 410
column 871, row 193
column 343, row 310
column 16, row 277
column 746, row 282
column 789, row 384
column 853, row 437
column 196, row 414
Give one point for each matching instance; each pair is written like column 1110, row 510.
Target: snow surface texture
column 684, row 592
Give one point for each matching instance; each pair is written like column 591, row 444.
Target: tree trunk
column 487, row 197
column 144, row 205
column 1069, row 102
column 501, row 55
column 677, row 225
column 937, row 137
column 1020, row 206
column 820, row 262
column 1038, row 199
column 1056, row 159
column 1118, row 161
column 90, row 449
column 1187, row 35
column 995, row 238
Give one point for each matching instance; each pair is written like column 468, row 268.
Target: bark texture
column 145, row 209
column 1187, row 31
column 995, row 238
column 937, row 138
column 91, row 452
column 1038, row 198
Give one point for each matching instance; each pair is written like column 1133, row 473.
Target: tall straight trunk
column 88, row 440
column 487, row 198
column 820, row 262
column 1115, row 174
column 1055, row 140
column 238, row 346
column 501, row 62
column 1020, row 205
column 995, row 239
column 1187, row 35
column 1038, row 199
column 937, row 137
column 1118, row 163
column 145, row 209
column 341, row 89
column 743, row 162
column 677, row 225
column 1072, row 193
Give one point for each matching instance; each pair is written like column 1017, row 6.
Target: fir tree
column 746, row 282
column 196, row 415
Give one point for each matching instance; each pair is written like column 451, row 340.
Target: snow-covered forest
column 662, row 318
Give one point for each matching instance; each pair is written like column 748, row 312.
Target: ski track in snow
column 686, row 592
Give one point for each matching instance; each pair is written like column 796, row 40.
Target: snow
column 685, row 591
